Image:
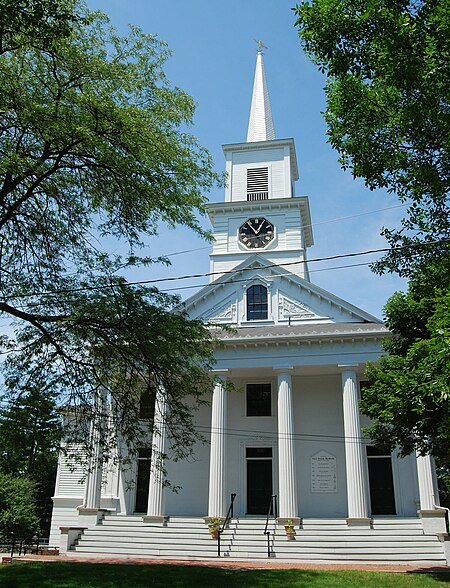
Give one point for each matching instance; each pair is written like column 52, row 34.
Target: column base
column 92, row 516
column 162, row 519
column 361, row 522
column 433, row 521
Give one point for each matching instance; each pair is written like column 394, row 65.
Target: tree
column 38, row 23
column 17, row 509
column 388, row 108
column 30, row 431
column 388, row 115
column 410, row 391
column 94, row 146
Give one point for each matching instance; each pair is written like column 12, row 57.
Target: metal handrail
column 225, row 522
column 272, row 510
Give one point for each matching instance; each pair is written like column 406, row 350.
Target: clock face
column 256, row 233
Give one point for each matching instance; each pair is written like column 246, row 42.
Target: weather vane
column 260, row 44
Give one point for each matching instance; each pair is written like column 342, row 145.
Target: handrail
column 272, row 510
column 225, row 522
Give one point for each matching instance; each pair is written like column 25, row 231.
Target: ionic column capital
column 348, row 367
column 221, row 374
column 284, row 370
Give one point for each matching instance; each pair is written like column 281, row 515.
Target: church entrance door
column 259, row 479
column 142, row 480
column 382, row 495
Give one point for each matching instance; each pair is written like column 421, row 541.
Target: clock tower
column 261, row 214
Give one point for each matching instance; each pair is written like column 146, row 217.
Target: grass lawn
column 90, row 575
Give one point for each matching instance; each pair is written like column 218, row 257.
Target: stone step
column 390, row 541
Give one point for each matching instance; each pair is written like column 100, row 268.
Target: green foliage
column 94, row 150
column 38, row 23
column 17, row 508
column 410, row 388
column 388, row 107
column 29, row 441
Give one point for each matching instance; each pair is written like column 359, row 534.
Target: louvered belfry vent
column 258, row 183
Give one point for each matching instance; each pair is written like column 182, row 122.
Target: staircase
column 390, row 541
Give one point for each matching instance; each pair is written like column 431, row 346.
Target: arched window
column 256, row 303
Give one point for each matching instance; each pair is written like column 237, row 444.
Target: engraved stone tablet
column 323, row 472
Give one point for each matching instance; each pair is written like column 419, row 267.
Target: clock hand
column 251, row 226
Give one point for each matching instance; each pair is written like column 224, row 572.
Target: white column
column 426, row 485
column 433, row 519
column 354, row 450
column 217, row 506
column 287, row 479
column 155, row 507
column 93, row 487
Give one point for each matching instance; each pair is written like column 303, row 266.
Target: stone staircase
column 390, row 541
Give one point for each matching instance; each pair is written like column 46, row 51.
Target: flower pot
column 214, row 534
column 290, row 532
column 290, row 536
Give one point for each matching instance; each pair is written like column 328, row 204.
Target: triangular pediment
column 292, row 299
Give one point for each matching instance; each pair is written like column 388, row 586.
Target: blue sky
column 213, row 59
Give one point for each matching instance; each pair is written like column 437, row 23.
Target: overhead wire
column 237, row 270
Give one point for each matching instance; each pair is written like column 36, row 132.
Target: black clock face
column 256, row 233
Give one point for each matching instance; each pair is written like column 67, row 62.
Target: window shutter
column 258, row 183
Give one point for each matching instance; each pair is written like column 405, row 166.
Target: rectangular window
column 147, row 404
column 259, row 400
column 257, row 308
column 258, row 183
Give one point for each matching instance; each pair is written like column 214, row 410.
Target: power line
column 213, row 284
column 230, row 272
column 233, row 432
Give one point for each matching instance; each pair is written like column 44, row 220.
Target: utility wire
column 229, row 272
column 211, row 285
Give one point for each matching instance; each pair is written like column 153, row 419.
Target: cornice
column 261, row 145
column 302, row 334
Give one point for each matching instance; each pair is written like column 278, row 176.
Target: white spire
column 260, row 126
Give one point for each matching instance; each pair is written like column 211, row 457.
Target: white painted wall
column 192, row 475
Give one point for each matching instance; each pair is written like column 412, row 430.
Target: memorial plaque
column 323, row 472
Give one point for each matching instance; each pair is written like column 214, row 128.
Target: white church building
column 290, row 427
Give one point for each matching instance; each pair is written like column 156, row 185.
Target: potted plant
column 290, row 531
column 214, row 526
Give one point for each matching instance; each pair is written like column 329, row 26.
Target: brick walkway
column 239, row 564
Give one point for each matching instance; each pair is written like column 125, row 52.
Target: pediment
column 292, row 298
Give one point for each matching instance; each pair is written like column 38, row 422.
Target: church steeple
column 260, row 126
column 261, row 219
